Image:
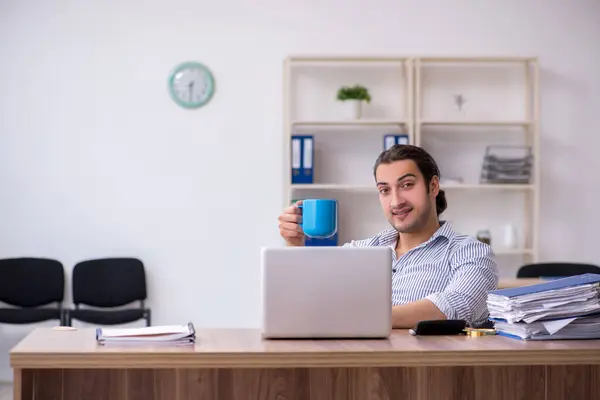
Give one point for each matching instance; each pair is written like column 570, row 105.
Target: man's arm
column 475, row 273
column 407, row 315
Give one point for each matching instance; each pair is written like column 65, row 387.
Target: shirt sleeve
column 357, row 243
column 474, row 274
column 383, row 238
column 360, row 243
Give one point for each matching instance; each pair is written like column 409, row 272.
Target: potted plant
column 353, row 97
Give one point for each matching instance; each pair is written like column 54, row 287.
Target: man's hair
column 424, row 161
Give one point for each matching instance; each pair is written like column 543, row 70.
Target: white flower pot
column 352, row 109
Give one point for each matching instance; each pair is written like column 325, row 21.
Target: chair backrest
column 31, row 281
column 109, row 282
column 556, row 269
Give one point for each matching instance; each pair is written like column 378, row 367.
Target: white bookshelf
column 345, row 149
column 415, row 96
column 500, row 108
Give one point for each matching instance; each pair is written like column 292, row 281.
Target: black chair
column 556, row 269
column 105, row 285
column 31, row 286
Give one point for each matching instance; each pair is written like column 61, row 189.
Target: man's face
column 403, row 194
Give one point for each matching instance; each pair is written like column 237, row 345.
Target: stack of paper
column 507, row 164
column 166, row 334
column 567, row 308
column 565, row 328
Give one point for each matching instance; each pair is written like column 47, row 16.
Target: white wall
column 96, row 160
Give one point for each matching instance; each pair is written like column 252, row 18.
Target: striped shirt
column 453, row 271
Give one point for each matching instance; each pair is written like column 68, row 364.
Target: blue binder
column 296, row 158
column 303, row 151
column 393, row 139
column 562, row 283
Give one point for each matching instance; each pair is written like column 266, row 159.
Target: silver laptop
column 327, row 292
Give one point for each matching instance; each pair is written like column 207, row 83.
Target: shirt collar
column 390, row 237
column 444, row 230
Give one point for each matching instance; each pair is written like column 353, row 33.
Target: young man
column 437, row 272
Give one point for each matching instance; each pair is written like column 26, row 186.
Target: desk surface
column 518, row 282
column 48, row 348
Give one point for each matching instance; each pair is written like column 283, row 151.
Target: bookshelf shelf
column 336, row 187
column 464, row 60
column 454, row 107
column 344, row 60
column 483, row 186
column 357, row 123
column 372, row 188
column 476, row 123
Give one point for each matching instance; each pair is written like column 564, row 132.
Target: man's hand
column 407, row 315
column 288, row 225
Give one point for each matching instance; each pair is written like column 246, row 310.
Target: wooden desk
column 237, row 364
column 518, row 282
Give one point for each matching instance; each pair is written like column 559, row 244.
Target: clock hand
column 191, row 87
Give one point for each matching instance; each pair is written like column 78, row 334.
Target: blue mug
column 319, row 218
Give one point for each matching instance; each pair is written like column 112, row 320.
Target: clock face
column 191, row 85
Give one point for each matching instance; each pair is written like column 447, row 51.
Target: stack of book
column 167, row 334
column 566, row 308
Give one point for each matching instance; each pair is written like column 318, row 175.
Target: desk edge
column 303, row 360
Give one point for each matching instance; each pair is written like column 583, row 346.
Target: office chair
column 105, row 285
column 30, row 286
column 556, row 269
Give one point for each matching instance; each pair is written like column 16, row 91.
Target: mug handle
column 300, row 207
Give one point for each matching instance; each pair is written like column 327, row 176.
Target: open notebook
column 165, row 334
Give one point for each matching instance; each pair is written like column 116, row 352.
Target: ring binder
column 303, row 153
column 393, row 139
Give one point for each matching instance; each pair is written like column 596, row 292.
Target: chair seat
column 107, row 317
column 28, row 315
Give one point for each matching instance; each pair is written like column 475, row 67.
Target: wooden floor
column 6, row 392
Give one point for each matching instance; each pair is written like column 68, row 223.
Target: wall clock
column 191, row 84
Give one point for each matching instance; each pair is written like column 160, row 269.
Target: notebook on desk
column 165, row 334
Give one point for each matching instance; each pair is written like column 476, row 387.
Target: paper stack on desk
column 567, row 308
column 166, row 334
